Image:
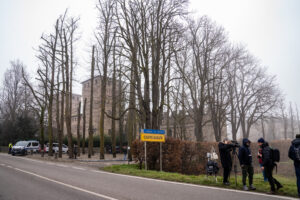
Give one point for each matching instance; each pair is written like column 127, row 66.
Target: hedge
column 189, row 157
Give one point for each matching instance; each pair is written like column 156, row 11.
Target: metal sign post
column 160, row 156
column 151, row 135
column 145, row 155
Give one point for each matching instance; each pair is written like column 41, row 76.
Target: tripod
column 234, row 154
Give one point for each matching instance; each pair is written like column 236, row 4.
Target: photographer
column 245, row 158
column 225, row 149
column 268, row 165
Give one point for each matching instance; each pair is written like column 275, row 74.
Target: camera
column 234, row 143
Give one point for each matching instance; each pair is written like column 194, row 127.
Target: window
column 35, row 144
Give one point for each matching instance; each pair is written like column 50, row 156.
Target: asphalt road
column 23, row 178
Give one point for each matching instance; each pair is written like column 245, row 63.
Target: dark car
column 108, row 149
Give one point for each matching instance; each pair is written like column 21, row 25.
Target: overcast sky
column 269, row 28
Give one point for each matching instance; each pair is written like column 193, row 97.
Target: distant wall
column 3, row 149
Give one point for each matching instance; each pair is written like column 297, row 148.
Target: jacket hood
column 245, row 141
column 296, row 141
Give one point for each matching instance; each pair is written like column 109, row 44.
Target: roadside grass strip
column 289, row 184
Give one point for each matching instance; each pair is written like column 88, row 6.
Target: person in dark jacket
column 268, row 165
column 259, row 156
column 245, row 158
column 225, row 149
column 294, row 154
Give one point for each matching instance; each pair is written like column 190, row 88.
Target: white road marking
column 9, row 166
column 78, row 168
column 198, row 186
column 67, row 185
column 58, row 165
column 2, row 164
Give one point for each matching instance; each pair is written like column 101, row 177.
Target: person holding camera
column 225, row 148
column 245, row 158
column 268, row 165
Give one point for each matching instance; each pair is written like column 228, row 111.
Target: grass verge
column 289, row 184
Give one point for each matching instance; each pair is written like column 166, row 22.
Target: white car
column 33, row 145
column 55, row 148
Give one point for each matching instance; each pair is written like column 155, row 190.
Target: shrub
column 188, row 157
column 178, row 156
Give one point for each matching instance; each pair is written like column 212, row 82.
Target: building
column 86, row 91
column 76, row 98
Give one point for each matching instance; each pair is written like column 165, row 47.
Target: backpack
column 297, row 152
column 275, row 155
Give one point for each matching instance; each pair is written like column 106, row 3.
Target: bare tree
column 68, row 96
column 292, row 121
column 105, row 37
column 205, row 41
column 297, row 115
column 284, row 119
column 40, row 98
column 12, row 98
column 48, row 51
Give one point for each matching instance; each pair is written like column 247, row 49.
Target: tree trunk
column 120, row 103
column 58, row 126
column 67, row 107
column 91, row 128
column 113, row 122
column 131, row 114
column 42, row 140
column 62, row 104
column 78, row 128
column 263, row 127
column 83, row 126
column 102, row 104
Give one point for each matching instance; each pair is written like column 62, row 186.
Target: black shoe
column 226, row 183
column 279, row 186
column 252, row 187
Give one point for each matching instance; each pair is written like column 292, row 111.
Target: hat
column 261, row 140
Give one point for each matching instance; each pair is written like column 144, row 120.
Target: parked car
column 33, row 145
column 19, row 148
column 55, row 148
column 108, row 149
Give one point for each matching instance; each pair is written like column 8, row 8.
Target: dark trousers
column 247, row 170
column 226, row 173
column 297, row 169
column 272, row 181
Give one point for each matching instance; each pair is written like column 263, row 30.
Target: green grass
column 289, row 184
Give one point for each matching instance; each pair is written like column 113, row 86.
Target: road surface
column 23, row 178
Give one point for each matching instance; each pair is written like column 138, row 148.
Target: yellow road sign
column 152, row 137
